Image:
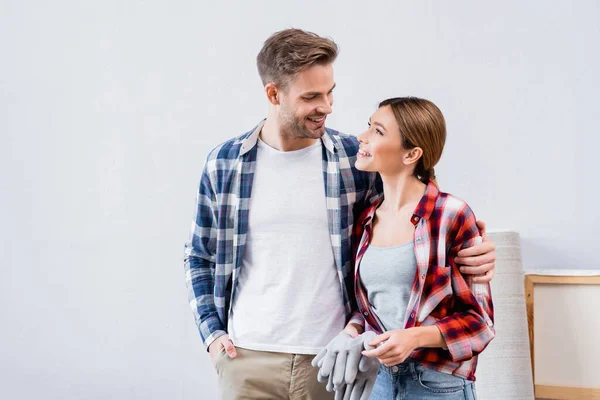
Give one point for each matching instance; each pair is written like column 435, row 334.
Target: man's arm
column 199, row 263
column 479, row 259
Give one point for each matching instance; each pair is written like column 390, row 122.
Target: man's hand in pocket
column 221, row 342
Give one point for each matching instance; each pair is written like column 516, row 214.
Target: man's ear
column 272, row 93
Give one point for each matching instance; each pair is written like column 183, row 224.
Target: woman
column 432, row 321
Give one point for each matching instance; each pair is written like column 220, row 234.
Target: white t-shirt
column 288, row 297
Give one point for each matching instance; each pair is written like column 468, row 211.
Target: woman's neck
column 400, row 191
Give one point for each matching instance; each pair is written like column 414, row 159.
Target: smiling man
column 268, row 264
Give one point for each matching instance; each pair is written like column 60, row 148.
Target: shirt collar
column 422, row 211
column 329, row 141
column 250, row 140
column 427, row 203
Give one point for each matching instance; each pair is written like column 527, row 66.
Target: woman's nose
column 362, row 137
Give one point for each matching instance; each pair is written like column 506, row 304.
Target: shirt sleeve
column 199, row 262
column 357, row 318
column 470, row 329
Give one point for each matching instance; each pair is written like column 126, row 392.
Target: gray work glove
column 339, row 392
column 339, row 361
column 355, row 348
column 331, row 361
column 328, row 381
column 362, row 386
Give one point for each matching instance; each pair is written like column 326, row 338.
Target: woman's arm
column 400, row 343
column 480, row 259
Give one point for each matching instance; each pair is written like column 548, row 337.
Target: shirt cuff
column 212, row 337
column 357, row 319
column 458, row 344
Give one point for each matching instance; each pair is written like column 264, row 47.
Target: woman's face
column 381, row 147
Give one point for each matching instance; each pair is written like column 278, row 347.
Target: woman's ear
column 272, row 93
column 413, row 155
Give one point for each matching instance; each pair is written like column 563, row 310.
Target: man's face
column 306, row 102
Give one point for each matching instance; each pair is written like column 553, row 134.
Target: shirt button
column 423, row 276
column 419, row 239
column 366, row 314
column 394, row 369
column 412, row 315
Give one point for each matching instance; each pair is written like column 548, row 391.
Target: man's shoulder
column 229, row 149
column 224, row 157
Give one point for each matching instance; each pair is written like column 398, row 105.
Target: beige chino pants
column 263, row 375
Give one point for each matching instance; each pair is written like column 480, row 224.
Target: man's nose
column 325, row 107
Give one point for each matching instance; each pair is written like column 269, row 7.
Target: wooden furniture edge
column 566, row 393
column 544, row 391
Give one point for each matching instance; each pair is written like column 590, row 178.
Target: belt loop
column 413, row 371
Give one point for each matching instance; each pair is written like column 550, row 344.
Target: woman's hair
column 421, row 125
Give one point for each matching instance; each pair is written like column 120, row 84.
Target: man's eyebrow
column 317, row 93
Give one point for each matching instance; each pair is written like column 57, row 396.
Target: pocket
column 219, row 356
column 439, row 382
column 473, row 391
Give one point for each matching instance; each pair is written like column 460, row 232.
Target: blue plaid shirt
column 213, row 255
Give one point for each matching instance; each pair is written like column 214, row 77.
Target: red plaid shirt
column 441, row 295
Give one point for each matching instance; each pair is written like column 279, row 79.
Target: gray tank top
column 387, row 273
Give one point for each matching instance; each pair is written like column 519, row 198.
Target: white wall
column 108, row 110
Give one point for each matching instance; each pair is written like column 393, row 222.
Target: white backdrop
column 107, row 110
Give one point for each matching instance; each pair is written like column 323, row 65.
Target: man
column 268, row 263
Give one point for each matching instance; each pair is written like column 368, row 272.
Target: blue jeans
column 412, row 381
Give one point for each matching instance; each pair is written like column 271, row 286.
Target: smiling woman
column 432, row 320
column 399, row 133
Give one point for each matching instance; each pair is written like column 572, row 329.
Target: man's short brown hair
column 287, row 52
